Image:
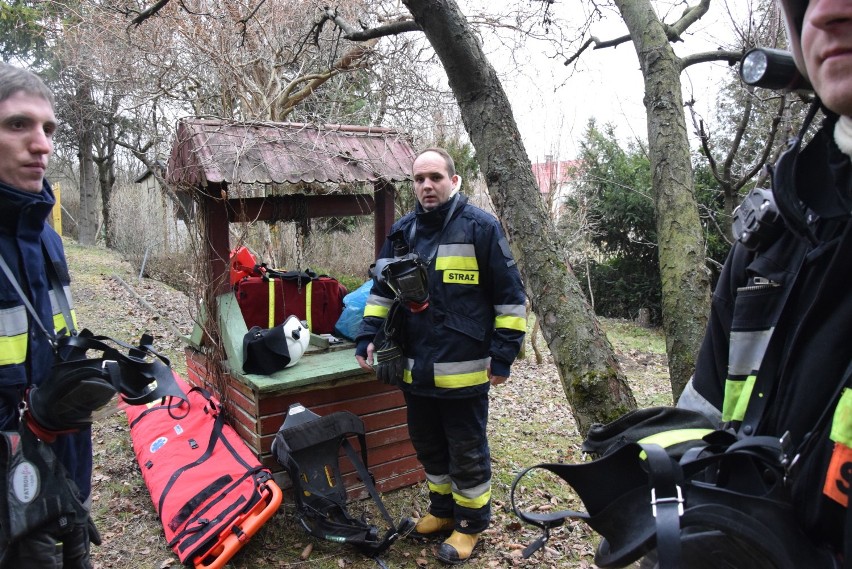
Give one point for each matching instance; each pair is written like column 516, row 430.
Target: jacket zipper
column 760, row 283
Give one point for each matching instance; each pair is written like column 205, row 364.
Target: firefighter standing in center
column 455, row 341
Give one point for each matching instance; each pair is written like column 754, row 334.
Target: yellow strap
column 271, row 303
column 309, row 290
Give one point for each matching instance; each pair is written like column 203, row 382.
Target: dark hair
column 14, row 79
column 451, row 165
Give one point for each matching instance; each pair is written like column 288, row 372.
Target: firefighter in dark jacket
column 452, row 341
column 28, row 244
column 776, row 356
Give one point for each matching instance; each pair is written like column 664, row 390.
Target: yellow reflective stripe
column 443, row 489
column 841, row 423
column 473, row 503
column 737, row 395
column 376, row 310
column 271, row 303
column 456, row 263
column 461, row 379
column 511, row 323
column 308, row 311
column 13, row 349
column 669, row 438
column 59, row 321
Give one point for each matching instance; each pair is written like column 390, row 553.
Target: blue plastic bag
column 353, row 311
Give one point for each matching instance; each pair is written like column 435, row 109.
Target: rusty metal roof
column 215, row 151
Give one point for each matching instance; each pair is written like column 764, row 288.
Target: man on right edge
column 776, row 357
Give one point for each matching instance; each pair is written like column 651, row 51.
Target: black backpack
column 713, row 499
column 308, row 447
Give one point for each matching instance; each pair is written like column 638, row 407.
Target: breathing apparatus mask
column 407, row 277
column 80, row 385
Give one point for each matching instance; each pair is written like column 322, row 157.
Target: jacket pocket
column 465, row 325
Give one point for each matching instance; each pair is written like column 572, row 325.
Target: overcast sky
column 552, row 104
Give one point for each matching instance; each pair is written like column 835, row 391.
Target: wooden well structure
column 247, row 172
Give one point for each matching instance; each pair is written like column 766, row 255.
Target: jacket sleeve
column 705, row 392
column 509, row 299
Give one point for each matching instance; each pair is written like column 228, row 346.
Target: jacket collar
column 824, row 176
column 437, row 215
column 23, row 213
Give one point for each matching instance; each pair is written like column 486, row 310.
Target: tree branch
column 690, row 16
column 148, row 12
column 598, row 44
column 352, row 33
column 732, row 57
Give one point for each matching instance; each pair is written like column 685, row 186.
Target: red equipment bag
column 318, row 299
column 208, row 487
column 262, row 301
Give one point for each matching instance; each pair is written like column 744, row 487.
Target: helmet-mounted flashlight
column 771, row 69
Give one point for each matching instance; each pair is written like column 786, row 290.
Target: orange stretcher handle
column 234, row 538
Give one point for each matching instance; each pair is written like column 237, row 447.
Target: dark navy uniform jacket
column 26, row 356
column 476, row 314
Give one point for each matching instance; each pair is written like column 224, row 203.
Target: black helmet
column 794, row 16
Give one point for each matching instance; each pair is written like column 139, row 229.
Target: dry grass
column 530, row 423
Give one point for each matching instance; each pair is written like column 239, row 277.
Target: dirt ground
column 530, row 422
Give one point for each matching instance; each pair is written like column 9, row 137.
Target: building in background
column 553, row 178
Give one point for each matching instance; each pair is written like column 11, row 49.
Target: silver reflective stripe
column 747, row 351
column 376, row 300
column 13, row 321
column 54, row 304
column 439, row 479
column 694, row 401
column 457, row 250
column 518, row 310
column 473, row 493
column 455, row 368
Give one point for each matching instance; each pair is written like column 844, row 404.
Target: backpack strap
column 309, row 432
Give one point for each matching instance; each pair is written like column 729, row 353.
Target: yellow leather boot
column 457, row 548
column 431, row 526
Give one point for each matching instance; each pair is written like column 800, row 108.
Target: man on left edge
column 27, row 244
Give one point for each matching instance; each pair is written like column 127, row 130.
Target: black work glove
column 390, row 363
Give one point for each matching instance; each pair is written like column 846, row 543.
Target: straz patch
column 838, row 479
column 461, row 277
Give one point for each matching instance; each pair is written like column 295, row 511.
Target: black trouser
column 450, row 438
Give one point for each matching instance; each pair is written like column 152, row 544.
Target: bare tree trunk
column 89, row 222
column 593, row 382
column 685, row 279
column 106, row 178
